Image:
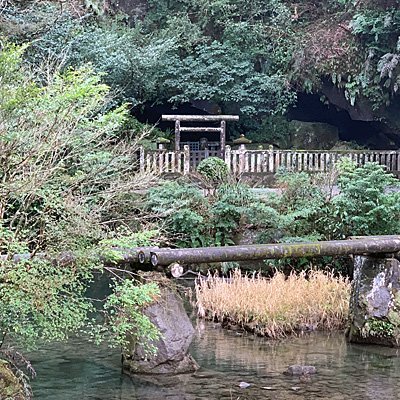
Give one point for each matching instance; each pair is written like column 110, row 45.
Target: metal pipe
column 375, row 245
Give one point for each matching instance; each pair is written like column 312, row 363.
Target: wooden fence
column 269, row 161
column 264, row 161
column 165, row 161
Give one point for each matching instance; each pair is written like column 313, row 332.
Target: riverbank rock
column 295, row 370
column 375, row 303
column 170, row 317
column 10, row 386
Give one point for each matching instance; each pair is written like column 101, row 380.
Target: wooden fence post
column 186, row 159
column 177, row 135
column 270, row 159
column 242, row 161
column 222, row 137
column 141, row 158
column 228, row 156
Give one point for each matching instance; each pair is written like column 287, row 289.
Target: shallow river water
column 78, row 370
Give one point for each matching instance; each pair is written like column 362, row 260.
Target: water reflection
column 80, row 371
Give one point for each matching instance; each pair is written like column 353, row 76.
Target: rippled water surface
column 79, row 370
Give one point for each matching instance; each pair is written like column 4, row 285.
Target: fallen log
column 117, row 256
column 374, row 245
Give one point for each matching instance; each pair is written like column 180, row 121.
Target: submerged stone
column 296, row 370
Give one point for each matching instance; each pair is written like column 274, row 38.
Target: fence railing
column 269, row 161
column 264, row 161
column 165, row 161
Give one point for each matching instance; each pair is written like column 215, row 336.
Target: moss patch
column 378, row 328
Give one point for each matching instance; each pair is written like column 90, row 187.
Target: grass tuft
column 277, row 306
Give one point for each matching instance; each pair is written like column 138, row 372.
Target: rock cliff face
column 362, row 110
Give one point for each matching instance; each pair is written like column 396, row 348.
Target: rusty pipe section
column 364, row 245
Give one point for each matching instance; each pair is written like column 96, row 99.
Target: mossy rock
column 10, row 386
column 313, row 135
column 394, row 317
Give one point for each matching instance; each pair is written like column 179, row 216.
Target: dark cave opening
column 370, row 134
column 309, row 108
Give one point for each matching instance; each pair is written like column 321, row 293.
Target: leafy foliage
column 66, row 166
column 182, row 209
column 244, row 56
column 366, row 205
column 273, row 130
column 192, row 220
column 300, row 206
column 174, row 57
column 41, row 301
column 123, row 309
column 214, row 169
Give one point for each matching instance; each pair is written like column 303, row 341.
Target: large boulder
column 313, row 135
column 177, row 332
column 375, row 302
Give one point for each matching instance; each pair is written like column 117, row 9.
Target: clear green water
column 78, row 370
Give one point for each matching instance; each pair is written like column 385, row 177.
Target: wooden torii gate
column 200, row 118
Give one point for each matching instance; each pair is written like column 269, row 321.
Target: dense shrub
column 366, row 205
column 214, row 169
column 190, row 219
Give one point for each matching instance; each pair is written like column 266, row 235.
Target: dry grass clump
column 278, row 306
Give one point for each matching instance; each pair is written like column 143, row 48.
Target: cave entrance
column 371, row 134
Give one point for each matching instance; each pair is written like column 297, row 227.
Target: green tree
column 66, row 166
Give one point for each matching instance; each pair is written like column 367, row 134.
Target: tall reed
column 276, row 306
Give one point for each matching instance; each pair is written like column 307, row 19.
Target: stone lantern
column 242, row 141
column 161, row 143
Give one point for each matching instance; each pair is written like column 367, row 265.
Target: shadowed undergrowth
column 278, row 306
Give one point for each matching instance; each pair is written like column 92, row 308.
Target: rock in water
column 296, row 370
column 375, row 301
column 177, row 333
